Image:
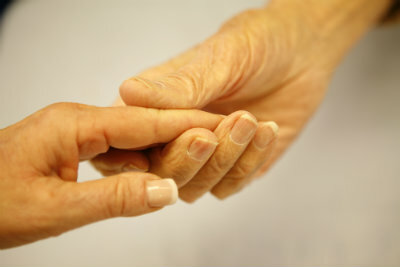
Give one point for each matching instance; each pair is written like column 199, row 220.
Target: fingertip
column 187, row 199
column 139, row 92
column 245, row 114
column 273, row 126
column 203, row 135
column 243, row 129
column 200, row 143
column 152, row 94
column 126, row 91
column 161, row 192
column 174, row 191
column 228, row 187
column 201, row 148
column 229, row 120
column 184, row 141
column 219, row 195
column 265, row 135
column 250, row 117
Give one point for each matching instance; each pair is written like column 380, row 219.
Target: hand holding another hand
column 40, row 155
column 261, row 62
column 273, row 62
column 264, row 65
column 200, row 161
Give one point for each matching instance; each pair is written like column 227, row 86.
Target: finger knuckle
column 58, row 118
column 220, row 165
column 90, row 131
column 245, row 112
column 55, row 112
column 119, row 195
column 240, row 171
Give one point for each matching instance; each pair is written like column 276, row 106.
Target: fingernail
column 161, row 192
column 201, row 149
column 132, row 168
column 243, row 129
column 267, row 132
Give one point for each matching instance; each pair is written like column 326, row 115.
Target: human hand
column 39, row 158
column 274, row 62
column 200, row 160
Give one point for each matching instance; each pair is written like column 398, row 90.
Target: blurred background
column 333, row 199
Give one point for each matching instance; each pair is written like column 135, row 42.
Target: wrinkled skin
column 39, row 160
column 253, row 63
column 274, row 62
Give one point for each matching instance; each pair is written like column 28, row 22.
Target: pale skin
column 40, row 155
column 220, row 151
column 273, row 62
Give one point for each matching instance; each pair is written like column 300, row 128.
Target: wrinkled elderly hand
column 200, row 160
column 39, row 158
column 274, row 62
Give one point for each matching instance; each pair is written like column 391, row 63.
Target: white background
column 333, row 199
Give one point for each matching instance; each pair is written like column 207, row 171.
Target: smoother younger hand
column 39, row 158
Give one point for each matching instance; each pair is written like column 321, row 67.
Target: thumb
column 217, row 69
column 125, row 194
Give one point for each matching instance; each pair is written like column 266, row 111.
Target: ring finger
column 257, row 152
column 234, row 134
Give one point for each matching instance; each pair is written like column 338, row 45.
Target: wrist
column 330, row 28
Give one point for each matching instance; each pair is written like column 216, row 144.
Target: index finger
column 132, row 127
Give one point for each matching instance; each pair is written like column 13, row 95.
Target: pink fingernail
column 266, row 133
column 201, row 149
column 244, row 129
column 161, row 192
